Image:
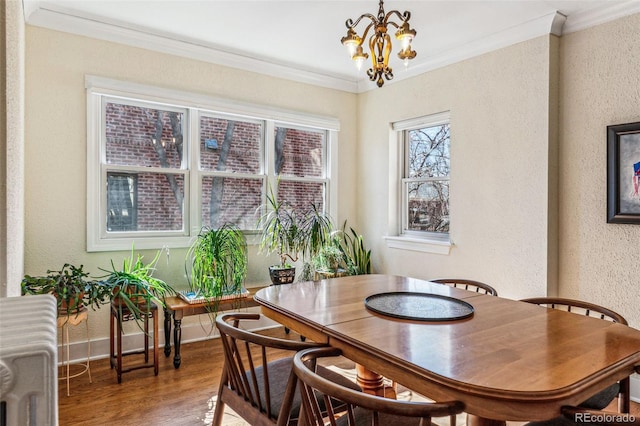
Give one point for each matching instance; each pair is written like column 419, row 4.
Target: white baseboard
column 134, row 340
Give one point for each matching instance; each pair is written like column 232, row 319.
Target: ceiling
column 300, row 39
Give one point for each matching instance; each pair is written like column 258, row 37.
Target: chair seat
column 558, row 421
column 356, row 404
column 279, row 371
column 364, row 418
column 598, row 401
column 602, row 398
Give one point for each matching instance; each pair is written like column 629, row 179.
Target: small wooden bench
column 177, row 308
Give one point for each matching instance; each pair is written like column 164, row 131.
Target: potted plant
column 133, row 287
column 72, row 288
column 217, row 262
column 330, row 262
column 291, row 232
column 351, row 244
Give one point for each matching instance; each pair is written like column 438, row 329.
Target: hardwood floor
column 175, row 397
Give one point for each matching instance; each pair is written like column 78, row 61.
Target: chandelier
column 380, row 42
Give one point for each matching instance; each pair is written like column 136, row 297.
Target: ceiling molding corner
column 557, row 24
column 591, row 18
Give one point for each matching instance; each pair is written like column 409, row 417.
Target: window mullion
column 425, row 179
column 193, row 164
column 143, row 169
column 269, row 157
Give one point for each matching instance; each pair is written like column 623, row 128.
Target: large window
column 163, row 164
column 423, row 166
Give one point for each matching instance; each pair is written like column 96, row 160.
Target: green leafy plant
column 291, row 232
column 218, row 261
column 357, row 257
column 133, row 287
column 71, row 286
column 330, row 258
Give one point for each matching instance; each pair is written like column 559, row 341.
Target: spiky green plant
column 292, row 233
column 358, row 258
column 217, row 261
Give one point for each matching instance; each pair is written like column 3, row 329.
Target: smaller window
column 423, row 146
column 425, row 182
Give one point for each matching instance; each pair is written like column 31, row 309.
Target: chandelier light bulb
column 351, row 47
column 359, row 57
column 405, row 42
column 351, row 41
column 405, row 35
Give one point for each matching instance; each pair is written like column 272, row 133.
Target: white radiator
column 28, row 361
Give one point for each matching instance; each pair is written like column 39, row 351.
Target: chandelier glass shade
column 379, row 42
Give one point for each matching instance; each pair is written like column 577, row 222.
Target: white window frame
column 98, row 88
column 398, row 236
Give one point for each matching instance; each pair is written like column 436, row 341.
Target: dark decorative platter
column 419, row 306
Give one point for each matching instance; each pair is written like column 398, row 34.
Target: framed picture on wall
column 623, row 173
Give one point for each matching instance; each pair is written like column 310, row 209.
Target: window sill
column 419, row 244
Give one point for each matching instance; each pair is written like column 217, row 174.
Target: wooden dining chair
column 470, row 285
column 361, row 408
column 257, row 380
column 621, row 389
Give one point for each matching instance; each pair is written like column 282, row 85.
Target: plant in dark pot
column 72, row 288
column 133, row 288
column 292, row 233
column 217, row 262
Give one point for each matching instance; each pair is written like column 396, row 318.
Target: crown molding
column 551, row 23
column 39, row 13
column 591, row 18
column 43, row 15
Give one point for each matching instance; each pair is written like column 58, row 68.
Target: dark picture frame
column 623, row 173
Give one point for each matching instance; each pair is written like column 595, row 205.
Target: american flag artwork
column 636, row 179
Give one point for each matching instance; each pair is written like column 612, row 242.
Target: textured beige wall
column 600, row 86
column 56, row 140
column 499, row 105
column 12, row 148
column 3, row 150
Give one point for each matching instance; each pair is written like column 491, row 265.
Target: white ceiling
column 300, row 39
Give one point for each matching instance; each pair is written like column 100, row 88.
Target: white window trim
column 416, row 241
column 98, row 86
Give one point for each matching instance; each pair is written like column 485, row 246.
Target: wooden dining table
column 507, row 360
